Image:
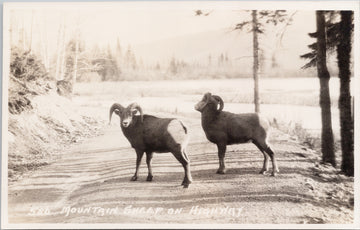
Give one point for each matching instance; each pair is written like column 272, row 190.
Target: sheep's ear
column 117, row 112
column 137, row 108
column 135, row 112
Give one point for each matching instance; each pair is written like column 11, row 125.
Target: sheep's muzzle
column 200, row 106
column 126, row 122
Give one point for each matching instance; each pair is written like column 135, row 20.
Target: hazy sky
column 142, row 22
column 136, row 22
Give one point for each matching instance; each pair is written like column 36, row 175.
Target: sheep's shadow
column 227, row 194
column 208, row 174
column 118, row 180
column 237, row 172
column 170, row 181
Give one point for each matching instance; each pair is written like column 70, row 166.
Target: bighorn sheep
column 225, row 128
column 150, row 134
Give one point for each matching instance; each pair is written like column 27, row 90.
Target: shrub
column 27, row 77
column 26, row 66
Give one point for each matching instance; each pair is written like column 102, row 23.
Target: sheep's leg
column 149, row 156
column 273, row 160
column 182, row 157
column 139, row 155
column 221, row 155
column 265, row 167
column 188, row 178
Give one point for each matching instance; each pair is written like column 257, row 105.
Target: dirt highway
column 90, row 183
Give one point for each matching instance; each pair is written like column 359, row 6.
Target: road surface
column 90, row 183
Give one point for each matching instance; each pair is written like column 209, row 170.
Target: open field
column 293, row 91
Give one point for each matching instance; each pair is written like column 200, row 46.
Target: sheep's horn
column 138, row 108
column 220, row 101
column 112, row 109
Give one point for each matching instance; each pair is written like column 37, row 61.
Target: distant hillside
column 236, row 44
column 197, row 47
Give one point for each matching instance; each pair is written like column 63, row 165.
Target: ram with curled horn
column 149, row 134
column 225, row 128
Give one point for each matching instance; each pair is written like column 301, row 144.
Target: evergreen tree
column 339, row 38
column 346, row 112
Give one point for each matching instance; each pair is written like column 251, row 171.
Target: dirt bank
column 38, row 135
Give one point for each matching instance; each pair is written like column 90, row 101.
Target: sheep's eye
column 135, row 112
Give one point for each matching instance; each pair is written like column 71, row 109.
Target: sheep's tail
column 185, row 142
column 184, row 127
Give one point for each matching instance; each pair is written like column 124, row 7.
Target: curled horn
column 113, row 108
column 217, row 98
column 207, row 96
column 138, row 108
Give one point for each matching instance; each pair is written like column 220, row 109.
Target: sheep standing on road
column 151, row 134
column 225, row 128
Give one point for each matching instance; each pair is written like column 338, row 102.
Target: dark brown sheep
column 225, row 128
column 151, row 134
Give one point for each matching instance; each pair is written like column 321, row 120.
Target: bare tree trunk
column 44, row 46
column 31, row 31
column 346, row 115
column 22, row 34
column 118, row 55
column 327, row 139
column 42, row 42
column 256, row 60
column 75, row 59
column 63, row 55
column 58, row 53
column 61, row 52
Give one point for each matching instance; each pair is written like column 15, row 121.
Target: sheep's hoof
column 186, row 184
column 134, row 178
column 149, row 178
column 263, row 172
column 220, row 171
column 273, row 173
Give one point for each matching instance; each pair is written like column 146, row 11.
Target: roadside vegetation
column 41, row 123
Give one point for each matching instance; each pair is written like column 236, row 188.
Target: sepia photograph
column 180, row 114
